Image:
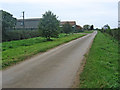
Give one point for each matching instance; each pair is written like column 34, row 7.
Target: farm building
column 78, row 27
column 72, row 23
column 30, row 24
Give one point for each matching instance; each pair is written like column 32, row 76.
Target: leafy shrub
column 115, row 33
column 19, row 35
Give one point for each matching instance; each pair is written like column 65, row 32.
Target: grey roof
column 33, row 23
column 29, row 23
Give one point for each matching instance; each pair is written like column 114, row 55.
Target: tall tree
column 67, row 28
column 49, row 25
column 91, row 27
column 86, row 27
column 8, row 21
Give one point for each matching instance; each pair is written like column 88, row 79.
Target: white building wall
column 119, row 14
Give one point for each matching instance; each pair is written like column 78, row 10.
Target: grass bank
column 101, row 69
column 17, row 51
column 26, row 42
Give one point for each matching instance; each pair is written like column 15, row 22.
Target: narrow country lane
column 55, row 68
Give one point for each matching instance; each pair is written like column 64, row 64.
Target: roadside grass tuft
column 24, row 49
column 101, row 69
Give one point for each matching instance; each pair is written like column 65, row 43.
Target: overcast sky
column 96, row 12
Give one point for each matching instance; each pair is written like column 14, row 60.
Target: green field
column 101, row 69
column 16, row 51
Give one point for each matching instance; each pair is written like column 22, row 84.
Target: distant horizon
column 91, row 12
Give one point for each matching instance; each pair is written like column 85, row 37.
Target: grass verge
column 101, row 69
column 26, row 42
column 88, row 31
column 16, row 54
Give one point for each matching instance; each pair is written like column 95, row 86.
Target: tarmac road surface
column 55, row 68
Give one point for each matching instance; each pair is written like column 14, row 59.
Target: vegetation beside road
column 16, row 51
column 115, row 33
column 87, row 31
column 46, row 37
column 12, row 35
column 49, row 27
column 101, row 69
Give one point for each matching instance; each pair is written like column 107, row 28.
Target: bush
column 113, row 32
column 19, row 35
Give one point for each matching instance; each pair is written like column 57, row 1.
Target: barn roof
column 70, row 22
column 30, row 19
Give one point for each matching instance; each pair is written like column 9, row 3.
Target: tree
column 91, row 27
column 86, row 27
column 105, row 27
column 67, row 28
column 8, row 21
column 49, row 25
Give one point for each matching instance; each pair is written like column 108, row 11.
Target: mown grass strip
column 15, row 55
column 101, row 69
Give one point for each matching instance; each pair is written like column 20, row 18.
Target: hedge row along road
column 55, row 68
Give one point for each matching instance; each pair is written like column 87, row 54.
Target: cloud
column 55, row 1
column 97, row 12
